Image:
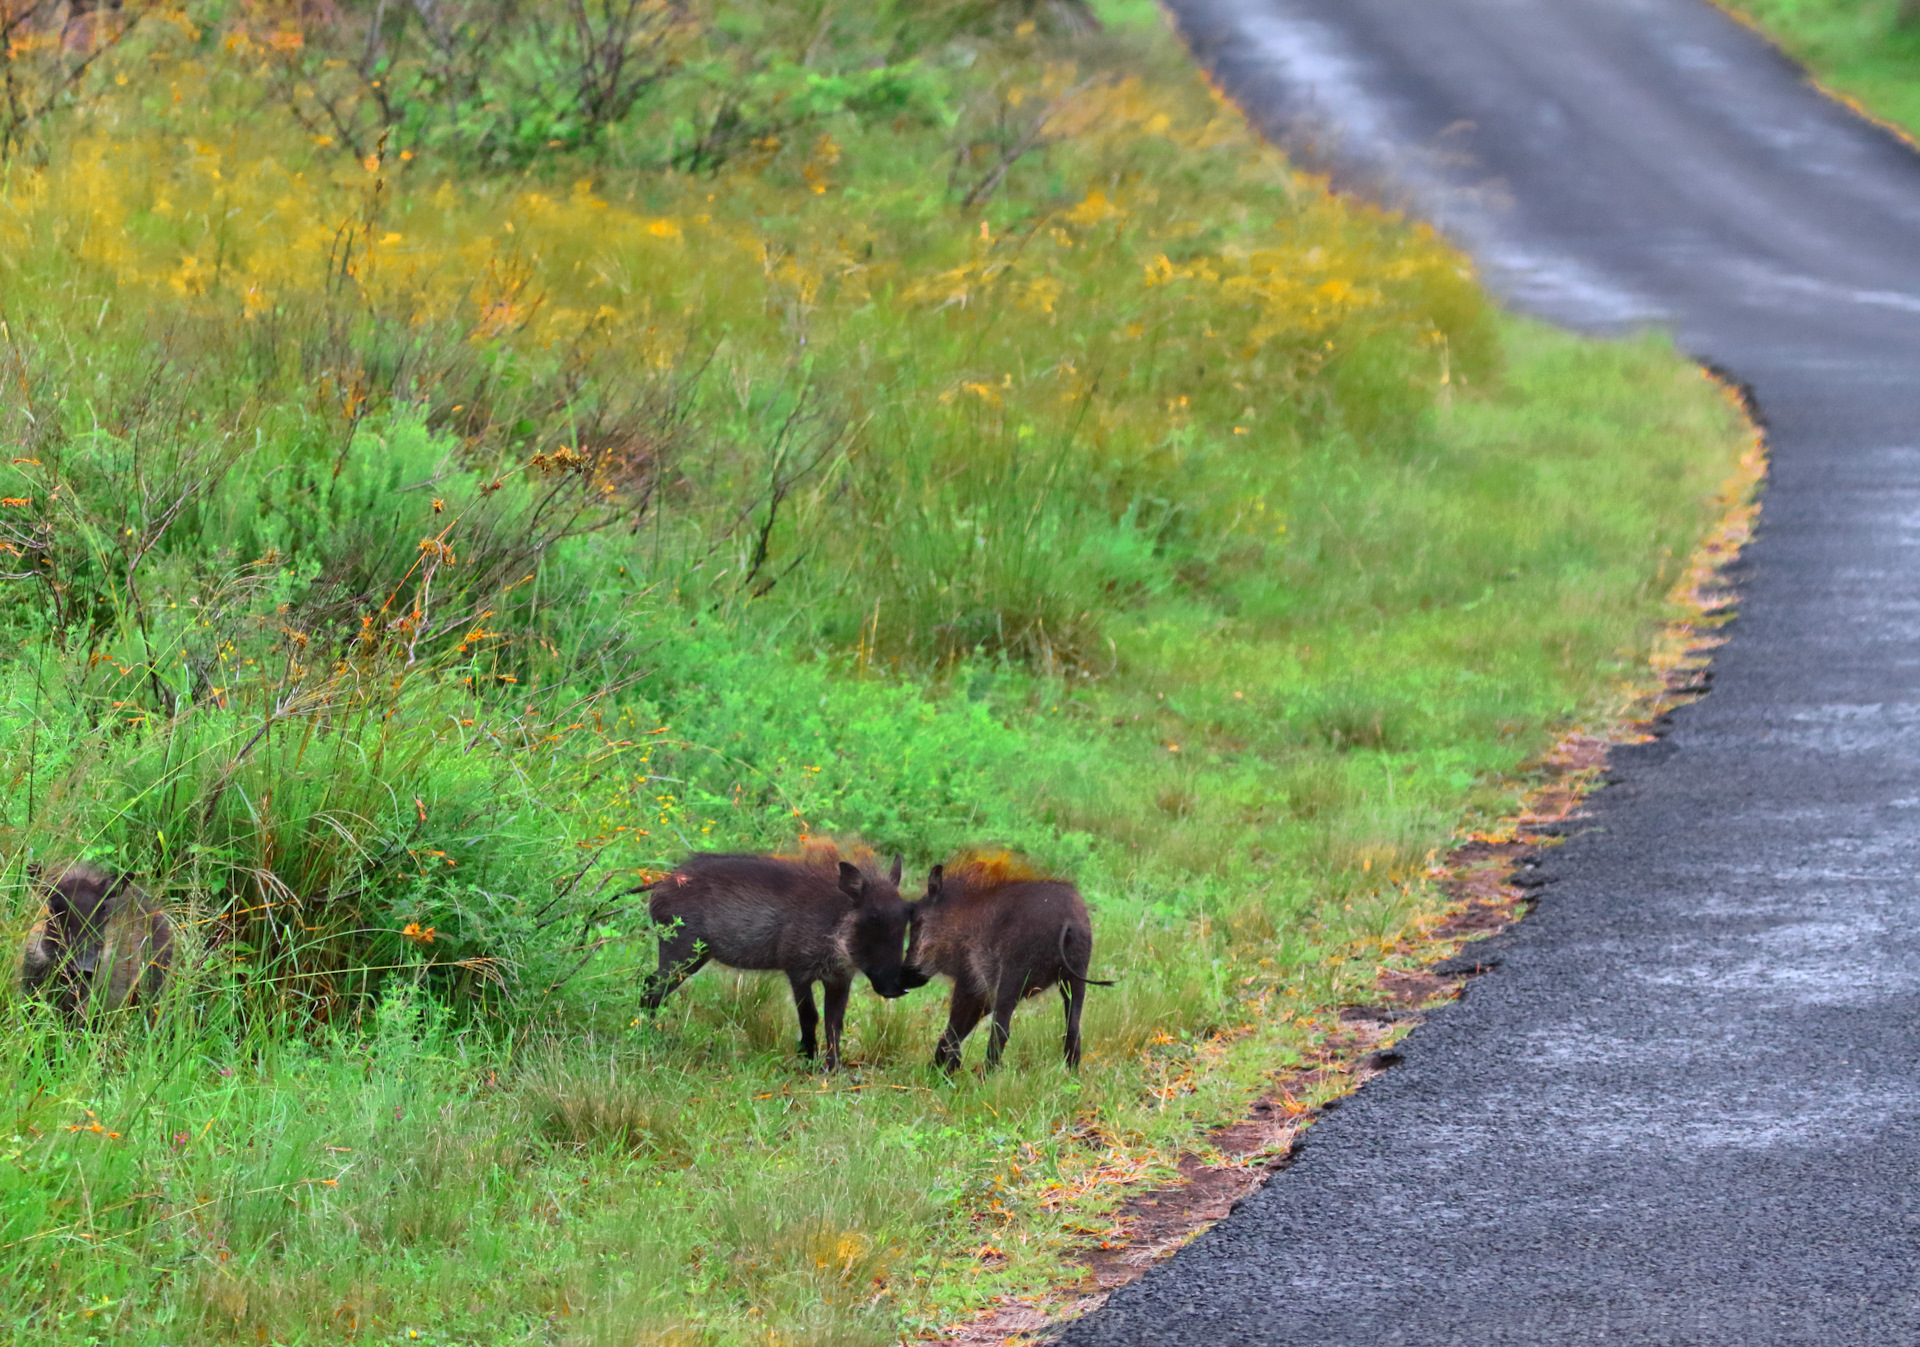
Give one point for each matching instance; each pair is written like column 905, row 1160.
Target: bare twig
column 990, row 184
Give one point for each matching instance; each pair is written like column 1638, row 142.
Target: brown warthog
column 1002, row 933
column 816, row 917
column 102, row 944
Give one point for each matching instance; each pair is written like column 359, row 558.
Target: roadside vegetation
column 1867, row 50
column 460, row 458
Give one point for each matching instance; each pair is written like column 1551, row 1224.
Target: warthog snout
column 878, row 941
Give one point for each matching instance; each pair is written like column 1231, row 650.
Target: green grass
column 374, row 567
column 1866, row 49
column 566, row 1173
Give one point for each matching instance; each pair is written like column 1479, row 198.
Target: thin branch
column 988, row 185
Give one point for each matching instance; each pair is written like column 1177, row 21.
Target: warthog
column 816, row 917
column 1002, row 933
column 102, row 944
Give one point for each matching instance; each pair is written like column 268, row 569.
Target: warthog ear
column 852, row 882
column 936, row 879
column 893, row 876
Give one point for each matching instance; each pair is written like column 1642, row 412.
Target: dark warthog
column 103, row 944
column 816, row 918
column 1001, row 932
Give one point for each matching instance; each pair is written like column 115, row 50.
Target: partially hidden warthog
column 101, row 945
column 816, row 917
column 1001, row 932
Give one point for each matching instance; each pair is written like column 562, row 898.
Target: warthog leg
column 1073, row 995
column 963, row 1012
column 1006, row 998
column 809, row 1016
column 836, row 1019
column 681, row 956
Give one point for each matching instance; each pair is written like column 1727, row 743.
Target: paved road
column 1685, row 1109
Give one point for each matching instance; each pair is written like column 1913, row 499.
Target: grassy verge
column 421, row 527
column 1866, row 50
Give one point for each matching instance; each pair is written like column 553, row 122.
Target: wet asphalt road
column 1684, row 1109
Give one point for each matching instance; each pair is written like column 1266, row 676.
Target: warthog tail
column 1067, row 968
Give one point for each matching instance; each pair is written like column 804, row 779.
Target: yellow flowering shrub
column 1119, row 308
